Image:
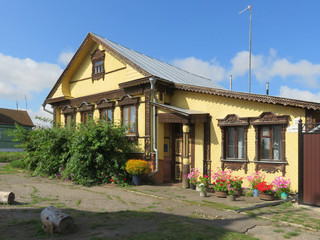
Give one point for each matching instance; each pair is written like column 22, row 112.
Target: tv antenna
column 249, row 8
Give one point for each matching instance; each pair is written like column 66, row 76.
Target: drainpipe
column 44, row 108
column 154, row 137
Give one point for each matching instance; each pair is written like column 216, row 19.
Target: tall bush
column 46, row 148
column 88, row 154
column 98, row 154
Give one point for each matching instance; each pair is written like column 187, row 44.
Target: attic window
column 97, row 59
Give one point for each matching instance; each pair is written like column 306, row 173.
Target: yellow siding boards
column 219, row 107
column 77, row 82
column 132, row 74
column 58, row 92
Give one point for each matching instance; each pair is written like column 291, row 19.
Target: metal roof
column 161, row 69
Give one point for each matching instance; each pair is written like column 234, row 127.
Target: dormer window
column 97, row 59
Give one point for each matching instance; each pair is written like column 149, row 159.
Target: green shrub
column 98, row 154
column 87, row 154
column 46, row 149
column 20, row 164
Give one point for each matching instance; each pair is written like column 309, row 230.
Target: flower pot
column 136, row 180
column 192, row 186
column 203, row 193
column 266, row 196
column 238, row 192
column 284, row 196
column 198, row 188
column 221, row 194
column 255, row 193
column 232, row 198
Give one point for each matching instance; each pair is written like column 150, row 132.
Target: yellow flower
column 137, row 167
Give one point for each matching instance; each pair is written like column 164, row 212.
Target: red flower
column 112, row 180
column 221, row 184
column 124, row 179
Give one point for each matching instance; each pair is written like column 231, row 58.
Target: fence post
column 300, row 163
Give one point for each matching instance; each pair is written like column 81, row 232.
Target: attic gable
column 79, row 79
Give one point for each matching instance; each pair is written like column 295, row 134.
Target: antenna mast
column 249, row 8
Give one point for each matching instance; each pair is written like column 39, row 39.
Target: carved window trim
column 86, row 112
column 126, row 102
column 233, row 121
column 105, row 105
column 68, row 112
column 97, row 60
column 269, row 119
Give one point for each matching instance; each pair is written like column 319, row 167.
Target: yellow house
column 180, row 120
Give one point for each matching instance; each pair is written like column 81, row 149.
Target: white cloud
column 20, row 77
column 42, row 114
column 65, row 57
column 211, row 70
column 299, row 94
column 264, row 68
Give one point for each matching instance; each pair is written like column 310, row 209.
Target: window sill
column 271, row 162
column 234, row 160
column 132, row 138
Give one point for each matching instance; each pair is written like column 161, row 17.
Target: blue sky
column 206, row 37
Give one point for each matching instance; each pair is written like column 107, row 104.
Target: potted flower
column 137, row 168
column 220, row 185
column 203, row 184
column 254, row 179
column 231, row 190
column 193, row 178
column 281, row 187
column 237, row 185
column 265, row 191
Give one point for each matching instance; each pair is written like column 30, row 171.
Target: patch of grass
column 97, row 225
column 213, row 205
column 147, row 209
column 181, row 197
column 120, row 200
column 11, row 156
column 109, row 197
column 169, row 209
column 151, row 190
column 78, row 202
column 97, row 238
column 278, row 230
column 292, row 234
column 8, row 169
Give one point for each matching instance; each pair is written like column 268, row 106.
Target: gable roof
column 181, row 79
column 158, row 68
column 148, row 66
column 10, row 117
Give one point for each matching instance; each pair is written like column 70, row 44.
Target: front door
column 177, row 153
column 178, row 159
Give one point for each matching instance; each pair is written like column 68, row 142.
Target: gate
column 309, row 164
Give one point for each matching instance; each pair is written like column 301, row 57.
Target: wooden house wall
column 219, row 107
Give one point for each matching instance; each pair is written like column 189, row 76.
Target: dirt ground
column 111, row 212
